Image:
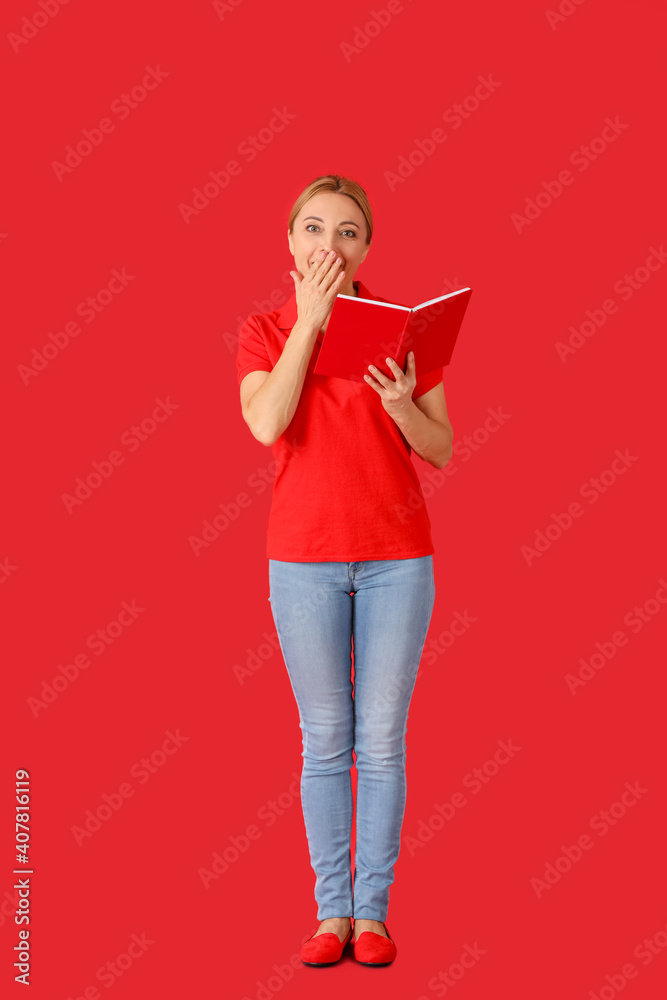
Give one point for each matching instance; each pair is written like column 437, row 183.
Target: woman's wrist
column 304, row 329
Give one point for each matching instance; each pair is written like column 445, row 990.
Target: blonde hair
column 339, row 185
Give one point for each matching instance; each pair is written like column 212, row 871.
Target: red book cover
column 366, row 331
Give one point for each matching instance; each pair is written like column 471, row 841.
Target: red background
column 171, row 334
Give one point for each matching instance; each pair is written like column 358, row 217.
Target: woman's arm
column 268, row 408
column 427, row 429
column 423, row 422
column 268, row 404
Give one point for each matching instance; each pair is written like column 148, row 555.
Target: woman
column 350, row 562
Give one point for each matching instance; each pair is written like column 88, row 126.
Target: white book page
column 440, row 298
column 389, row 305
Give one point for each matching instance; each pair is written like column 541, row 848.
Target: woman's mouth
column 315, row 262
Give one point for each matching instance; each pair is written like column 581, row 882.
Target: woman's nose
column 327, row 248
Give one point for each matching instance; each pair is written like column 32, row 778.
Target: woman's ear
column 289, row 242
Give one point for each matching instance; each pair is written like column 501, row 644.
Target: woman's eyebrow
column 347, row 222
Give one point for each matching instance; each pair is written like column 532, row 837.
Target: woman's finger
column 396, row 369
column 320, row 270
column 378, row 375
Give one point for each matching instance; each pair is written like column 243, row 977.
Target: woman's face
column 329, row 221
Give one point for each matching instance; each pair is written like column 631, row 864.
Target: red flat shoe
column 374, row 949
column 324, row 949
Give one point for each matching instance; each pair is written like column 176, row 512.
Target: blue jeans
column 320, row 609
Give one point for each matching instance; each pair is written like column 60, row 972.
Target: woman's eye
column 312, row 225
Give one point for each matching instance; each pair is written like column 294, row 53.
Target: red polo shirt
column 346, row 489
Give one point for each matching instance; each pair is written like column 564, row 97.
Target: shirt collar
column 288, row 315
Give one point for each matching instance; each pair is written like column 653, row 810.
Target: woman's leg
column 392, row 608
column 312, row 611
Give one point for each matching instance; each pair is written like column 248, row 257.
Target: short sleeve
column 427, row 382
column 252, row 355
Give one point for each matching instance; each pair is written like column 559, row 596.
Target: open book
column 363, row 332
